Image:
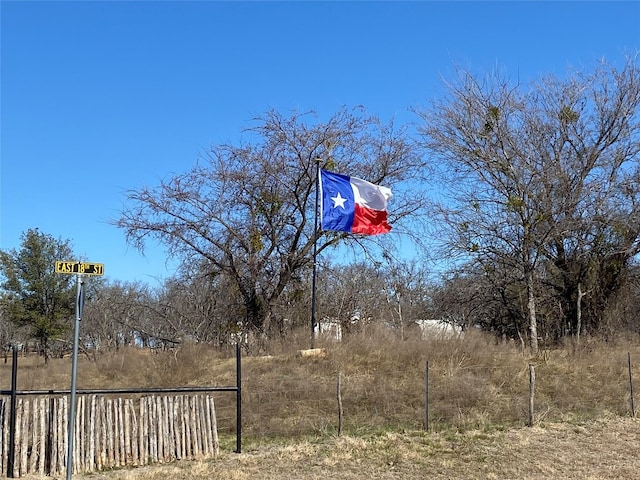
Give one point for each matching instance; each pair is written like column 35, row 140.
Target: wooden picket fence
column 109, row 432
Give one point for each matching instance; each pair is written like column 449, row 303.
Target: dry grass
column 599, row 450
column 478, row 408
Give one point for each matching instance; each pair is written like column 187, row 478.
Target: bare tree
column 203, row 308
column 532, row 171
column 408, row 290
column 116, row 314
column 247, row 211
column 593, row 187
column 353, row 295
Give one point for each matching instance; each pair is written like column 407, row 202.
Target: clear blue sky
column 101, row 97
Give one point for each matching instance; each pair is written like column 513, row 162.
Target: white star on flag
column 338, row 201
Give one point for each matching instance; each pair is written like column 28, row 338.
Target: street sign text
column 84, row 268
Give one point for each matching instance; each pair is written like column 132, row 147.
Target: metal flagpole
column 315, row 251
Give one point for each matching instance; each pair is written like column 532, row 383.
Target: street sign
column 84, row 268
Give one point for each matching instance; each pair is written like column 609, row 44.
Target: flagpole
column 315, row 251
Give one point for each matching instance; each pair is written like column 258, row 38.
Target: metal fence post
column 12, row 418
column 238, row 400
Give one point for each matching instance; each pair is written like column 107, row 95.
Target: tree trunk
column 44, row 344
column 254, row 306
column 531, row 310
column 579, row 313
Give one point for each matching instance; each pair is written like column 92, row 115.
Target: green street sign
column 84, row 268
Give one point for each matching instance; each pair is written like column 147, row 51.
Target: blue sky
column 100, row 97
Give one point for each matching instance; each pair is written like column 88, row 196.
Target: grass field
column 478, row 391
column 605, row 449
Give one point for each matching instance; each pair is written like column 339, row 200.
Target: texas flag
column 353, row 205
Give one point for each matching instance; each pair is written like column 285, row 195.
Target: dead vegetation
column 478, row 394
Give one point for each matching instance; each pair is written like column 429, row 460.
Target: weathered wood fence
column 109, row 432
column 112, row 427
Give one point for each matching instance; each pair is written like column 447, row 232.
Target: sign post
column 81, row 270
